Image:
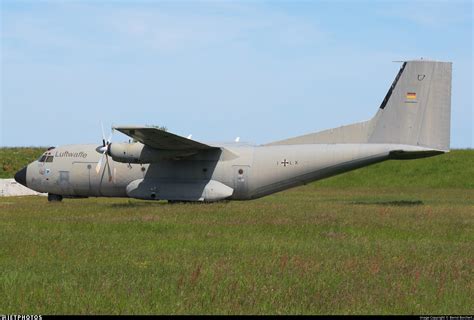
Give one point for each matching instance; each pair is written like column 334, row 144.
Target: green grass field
column 13, row 159
column 394, row 238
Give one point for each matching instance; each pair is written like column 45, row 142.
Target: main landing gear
column 54, row 197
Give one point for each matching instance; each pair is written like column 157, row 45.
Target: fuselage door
column 241, row 174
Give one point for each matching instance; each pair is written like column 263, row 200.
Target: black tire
column 54, row 197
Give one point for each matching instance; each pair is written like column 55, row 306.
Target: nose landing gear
column 54, row 197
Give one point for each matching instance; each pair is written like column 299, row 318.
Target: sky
column 258, row 70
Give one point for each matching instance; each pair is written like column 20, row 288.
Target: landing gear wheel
column 54, row 197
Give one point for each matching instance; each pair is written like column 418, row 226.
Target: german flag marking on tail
column 411, row 97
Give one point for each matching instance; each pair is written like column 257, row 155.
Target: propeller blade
column 99, row 164
column 109, row 140
column 108, row 167
column 112, row 130
column 104, row 150
column 103, row 134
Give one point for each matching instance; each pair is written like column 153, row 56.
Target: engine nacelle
column 137, row 152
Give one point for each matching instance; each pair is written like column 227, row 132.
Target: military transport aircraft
column 413, row 121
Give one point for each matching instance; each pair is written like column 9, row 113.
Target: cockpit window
column 45, row 158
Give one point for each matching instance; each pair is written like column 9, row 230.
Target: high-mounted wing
column 162, row 140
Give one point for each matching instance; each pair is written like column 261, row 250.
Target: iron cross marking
column 285, row 163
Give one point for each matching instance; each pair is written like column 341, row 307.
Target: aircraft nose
column 20, row 176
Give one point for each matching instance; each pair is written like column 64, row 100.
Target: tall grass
column 310, row 250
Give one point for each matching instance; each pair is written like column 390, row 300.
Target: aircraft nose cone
column 20, row 176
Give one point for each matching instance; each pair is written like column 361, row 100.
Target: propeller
column 104, row 150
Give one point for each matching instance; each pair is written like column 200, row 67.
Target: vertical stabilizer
column 417, row 107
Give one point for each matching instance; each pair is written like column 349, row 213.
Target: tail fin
column 417, row 107
column 416, row 111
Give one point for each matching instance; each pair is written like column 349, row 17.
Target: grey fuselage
column 239, row 172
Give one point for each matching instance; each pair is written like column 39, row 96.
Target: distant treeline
column 452, row 170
